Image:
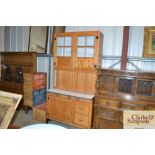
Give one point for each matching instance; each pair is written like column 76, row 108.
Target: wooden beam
column 125, row 48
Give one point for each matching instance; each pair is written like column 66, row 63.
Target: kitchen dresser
column 76, row 59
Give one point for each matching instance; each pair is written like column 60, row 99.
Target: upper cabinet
column 77, row 50
column 76, row 58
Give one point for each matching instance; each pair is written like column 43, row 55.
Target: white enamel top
column 69, row 93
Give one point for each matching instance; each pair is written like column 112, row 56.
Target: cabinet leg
column 26, row 109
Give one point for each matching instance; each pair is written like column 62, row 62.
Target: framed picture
column 149, row 42
column 38, row 39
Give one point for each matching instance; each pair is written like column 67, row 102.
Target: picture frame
column 149, row 42
column 38, row 37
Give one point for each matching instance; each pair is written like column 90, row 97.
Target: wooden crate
column 39, row 113
column 34, row 88
column 34, row 97
column 35, row 81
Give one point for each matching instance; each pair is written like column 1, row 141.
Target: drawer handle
column 80, row 120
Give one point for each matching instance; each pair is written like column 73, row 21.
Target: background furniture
column 121, row 90
column 26, row 60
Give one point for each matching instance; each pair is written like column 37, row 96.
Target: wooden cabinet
column 76, row 57
column 69, row 109
column 121, row 90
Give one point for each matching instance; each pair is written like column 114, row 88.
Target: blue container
column 39, row 97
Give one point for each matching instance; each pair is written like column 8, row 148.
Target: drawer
column 130, row 106
column 82, row 108
column 108, row 103
column 81, row 120
column 151, row 107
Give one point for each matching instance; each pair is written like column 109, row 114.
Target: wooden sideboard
column 117, row 91
column 69, row 107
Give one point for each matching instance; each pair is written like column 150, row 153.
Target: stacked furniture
column 34, row 89
column 121, row 90
column 76, row 58
column 25, row 60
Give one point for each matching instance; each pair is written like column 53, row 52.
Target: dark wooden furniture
column 27, row 60
column 121, row 90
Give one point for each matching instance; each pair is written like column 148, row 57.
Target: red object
column 39, row 81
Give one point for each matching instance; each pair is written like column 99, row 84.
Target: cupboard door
column 60, row 108
column 87, row 50
column 55, row 108
column 63, row 51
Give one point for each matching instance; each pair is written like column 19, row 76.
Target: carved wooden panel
column 105, row 85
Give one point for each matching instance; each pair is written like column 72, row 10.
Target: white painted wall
column 16, row 38
column 2, row 37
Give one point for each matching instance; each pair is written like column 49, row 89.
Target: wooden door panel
column 86, row 82
column 66, row 80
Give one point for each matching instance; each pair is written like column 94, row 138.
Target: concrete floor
column 22, row 119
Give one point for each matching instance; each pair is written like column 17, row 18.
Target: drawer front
column 108, row 103
column 151, row 107
column 129, row 106
column 82, row 108
column 81, row 120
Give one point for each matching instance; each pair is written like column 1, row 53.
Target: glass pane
column 80, row 52
column 90, row 41
column 60, row 41
column 81, row 41
column 67, row 51
column 59, row 51
column 68, row 41
column 89, row 52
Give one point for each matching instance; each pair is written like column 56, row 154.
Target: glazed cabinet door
column 87, row 50
column 63, row 51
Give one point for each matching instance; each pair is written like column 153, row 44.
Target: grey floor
column 22, row 119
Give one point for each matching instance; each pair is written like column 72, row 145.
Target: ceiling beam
column 125, row 48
